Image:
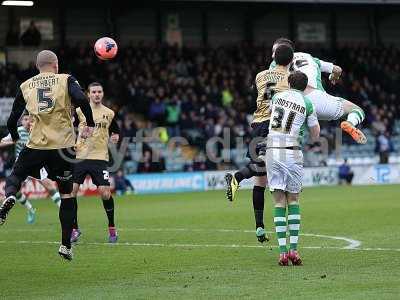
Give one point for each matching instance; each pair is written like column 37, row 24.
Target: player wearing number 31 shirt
column 291, row 112
column 93, row 155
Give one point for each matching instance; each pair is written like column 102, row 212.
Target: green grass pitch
column 199, row 246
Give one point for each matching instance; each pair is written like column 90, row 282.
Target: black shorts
column 37, row 174
column 258, row 134
column 97, row 169
column 58, row 164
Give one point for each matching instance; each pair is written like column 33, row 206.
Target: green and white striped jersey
column 23, row 140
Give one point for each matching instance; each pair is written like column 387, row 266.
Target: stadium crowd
column 198, row 92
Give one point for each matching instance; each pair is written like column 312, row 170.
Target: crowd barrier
column 205, row 181
column 158, row 183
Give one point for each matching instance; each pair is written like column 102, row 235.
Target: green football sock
column 280, row 227
column 356, row 116
column 55, row 196
column 294, row 224
column 21, row 198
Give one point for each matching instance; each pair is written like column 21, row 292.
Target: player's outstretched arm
column 330, row 68
column 16, row 112
column 335, row 75
column 79, row 99
column 325, row 66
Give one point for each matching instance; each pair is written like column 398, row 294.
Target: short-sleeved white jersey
column 291, row 111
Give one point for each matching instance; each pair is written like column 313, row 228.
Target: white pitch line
column 352, row 244
column 173, row 245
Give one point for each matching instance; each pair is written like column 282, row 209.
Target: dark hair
column 284, row 41
column 298, row 80
column 283, row 55
column 94, row 84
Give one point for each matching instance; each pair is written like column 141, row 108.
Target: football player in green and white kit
column 328, row 107
column 291, row 112
column 41, row 175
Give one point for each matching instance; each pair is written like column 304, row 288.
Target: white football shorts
column 284, row 170
column 328, row 107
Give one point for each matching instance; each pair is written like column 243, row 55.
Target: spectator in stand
column 151, row 162
column 345, row 173
column 128, row 128
column 200, row 162
column 227, row 97
column 31, row 36
column 383, row 147
column 173, row 112
column 157, row 111
column 2, row 168
column 12, row 38
column 378, row 125
column 122, row 184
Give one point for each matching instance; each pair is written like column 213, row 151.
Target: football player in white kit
column 291, row 112
column 328, row 107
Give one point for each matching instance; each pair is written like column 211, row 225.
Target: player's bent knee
column 105, row 192
column 65, row 183
column 257, row 168
column 260, row 181
column 292, row 198
column 47, row 183
column 349, row 106
column 13, row 185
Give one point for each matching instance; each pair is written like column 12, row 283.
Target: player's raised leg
column 51, row 189
column 294, row 227
column 26, row 163
column 108, row 204
column 255, row 167
column 232, row 186
column 330, row 108
column 355, row 116
column 31, row 212
column 13, row 185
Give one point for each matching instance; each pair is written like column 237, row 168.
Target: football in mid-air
column 105, row 48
